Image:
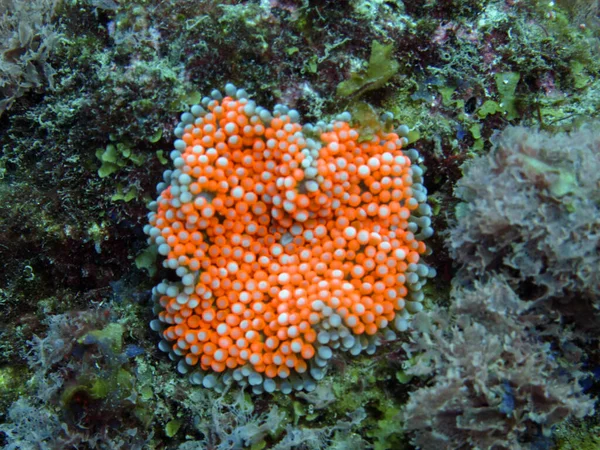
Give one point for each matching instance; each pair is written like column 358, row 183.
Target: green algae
column 160, row 155
column 366, row 119
column 12, row 384
column 578, row 435
column 562, row 182
column 506, row 83
column 111, row 336
column 386, row 433
column 147, row 259
column 172, row 427
column 116, row 156
column 125, row 194
column 489, row 107
column 380, row 69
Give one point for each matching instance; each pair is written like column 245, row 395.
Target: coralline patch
column 290, row 243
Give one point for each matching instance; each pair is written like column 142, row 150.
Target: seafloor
column 499, row 100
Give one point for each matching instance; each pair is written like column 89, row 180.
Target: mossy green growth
column 108, row 157
column 360, row 388
column 156, row 136
column 446, row 92
column 111, row 335
column 97, row 232
column 144, row 415
column 413, row 136
column 192, row 98
column 69, row 393
column 388, row 433
column 259, row 445
column 488, row 107
column 506, row 83
column 172, row 427
column 116, row 385
column 562, row 182
column 115, row 157
column 578, row 435
column 312, row 64
column 357, row 389
column 580, row 76
column 160, row 154
column 100, row 388
column 146, row 393
column 366, row 119
column 436, row 204
column 147, row 259
column 403, row 377
column 475, row 130
column 299, row 411
column 125, row 194
column 12, row 379
column 381, row 68
column 124, row 380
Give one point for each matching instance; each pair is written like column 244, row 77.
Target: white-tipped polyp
column 182, row 367
column 187, row 117
column 196, row 378
column 209, row 381
column 230, row 90
column 269, row 385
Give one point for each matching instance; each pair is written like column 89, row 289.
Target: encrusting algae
column 290, row 242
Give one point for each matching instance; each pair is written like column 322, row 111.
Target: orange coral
column 288, row 247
